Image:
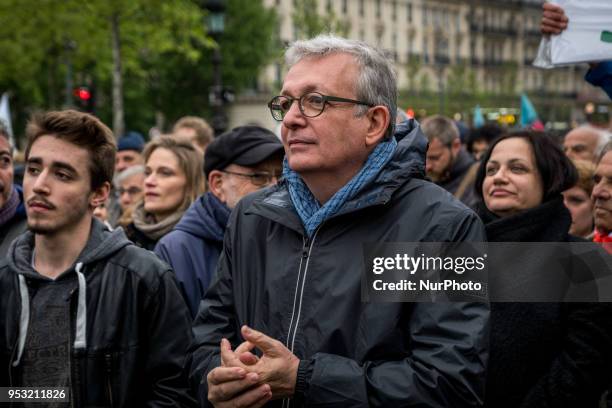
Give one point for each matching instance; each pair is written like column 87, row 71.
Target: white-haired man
column 288, row 281
column 585, row 143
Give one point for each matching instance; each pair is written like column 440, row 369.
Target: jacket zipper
column 297, row 287
column 109, row 370
column 297, row 300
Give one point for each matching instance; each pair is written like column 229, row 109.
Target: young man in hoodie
column 83, row 308
column 237, row 163
column 12, row 210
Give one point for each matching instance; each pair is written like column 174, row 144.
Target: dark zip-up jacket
column 192, row 248
column 459, row 170
column 129, row 324
column 306, row 293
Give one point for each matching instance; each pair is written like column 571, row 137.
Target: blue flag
column 479, row 120
column 528, row 112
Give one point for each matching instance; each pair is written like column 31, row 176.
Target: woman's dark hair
column 558, row 173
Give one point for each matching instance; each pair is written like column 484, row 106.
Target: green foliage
column 455, row 82
column 424, row 83
column 413, row 66
column 180, row 87
column 165, row 54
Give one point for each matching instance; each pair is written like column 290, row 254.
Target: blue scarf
column 308, row 208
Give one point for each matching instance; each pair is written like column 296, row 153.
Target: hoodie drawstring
column 24, row 318
column 80, row 339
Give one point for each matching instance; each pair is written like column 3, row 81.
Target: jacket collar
column 548, row 222
column 408, row 162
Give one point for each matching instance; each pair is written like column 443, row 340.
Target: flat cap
column 244, row 146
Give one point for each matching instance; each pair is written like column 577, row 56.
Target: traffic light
column 84, row 98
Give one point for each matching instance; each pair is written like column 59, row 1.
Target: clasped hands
column 245, row 380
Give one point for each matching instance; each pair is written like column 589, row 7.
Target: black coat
column 306, row 293
column 139, row 238
column 546, row 354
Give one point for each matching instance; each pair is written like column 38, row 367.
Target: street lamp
column 216, row 25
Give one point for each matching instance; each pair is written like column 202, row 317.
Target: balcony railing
column 489, row 29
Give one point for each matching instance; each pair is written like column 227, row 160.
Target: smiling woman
column 541, row 354
column 173, row 180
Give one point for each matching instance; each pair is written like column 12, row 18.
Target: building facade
column 444, row 46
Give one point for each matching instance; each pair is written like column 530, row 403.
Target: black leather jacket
column 137, row 331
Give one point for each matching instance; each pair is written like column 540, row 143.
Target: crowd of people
column 226, row 271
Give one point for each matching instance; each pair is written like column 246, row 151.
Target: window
column 345, row 6
column 361, row 8
column 394, row 10
column 435, row 15
column 378, row 7
column 329, row 7
column 425, row 50
column 457, row 51
column 472, row 48
column 409, row 12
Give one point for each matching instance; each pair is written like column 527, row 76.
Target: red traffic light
column 82, row 93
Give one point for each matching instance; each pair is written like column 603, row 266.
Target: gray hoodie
column 45, row 340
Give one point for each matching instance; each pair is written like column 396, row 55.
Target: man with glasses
column 236, row 163
column 129, row 185
column 283, row 317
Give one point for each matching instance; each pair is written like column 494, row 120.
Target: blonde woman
column 173, row 180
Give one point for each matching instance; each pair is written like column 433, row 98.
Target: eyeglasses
column 131, row 191
column 258, row 179
column 311, row 104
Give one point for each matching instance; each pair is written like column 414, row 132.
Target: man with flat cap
column 237, row 163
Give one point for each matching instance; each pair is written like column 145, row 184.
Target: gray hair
column 377, row 82
column 604, row 150
column 603, row 136
column 441, row 128
column 4, row 132
column 127, row 173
